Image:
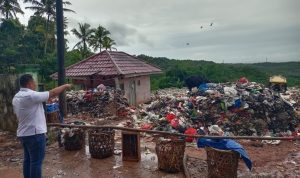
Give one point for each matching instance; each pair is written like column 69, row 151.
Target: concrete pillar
column 117, row 82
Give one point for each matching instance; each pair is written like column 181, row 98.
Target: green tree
column 48, row 66
column 108, row 43
column 34, row 38
column 176, row 73
column 97, row 39
column 10, row 8
column 47, row 8
column 72, row 57
column 84, row 34
column 11, row 36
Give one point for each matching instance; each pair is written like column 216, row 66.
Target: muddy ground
column 281, row 160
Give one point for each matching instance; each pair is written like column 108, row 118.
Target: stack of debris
column 242, row 108
column 75, row 100
column 99, row 104
column 293, row 96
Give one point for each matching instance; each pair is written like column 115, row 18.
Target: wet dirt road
column 281, row 160
column 269, row 161
column 69, row 164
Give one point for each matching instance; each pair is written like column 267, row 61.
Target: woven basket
column 101, row 143
column 76, row 142
column 170, row 155
column 52, row 117
column 222, row 163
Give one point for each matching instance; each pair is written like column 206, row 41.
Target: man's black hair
column 25, row 79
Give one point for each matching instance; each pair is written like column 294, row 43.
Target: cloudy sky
column 242, row 30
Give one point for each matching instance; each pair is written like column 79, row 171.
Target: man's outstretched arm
column 56, row 91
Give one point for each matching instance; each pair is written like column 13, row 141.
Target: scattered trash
column 190, row 131
column 271, row 142
column 14, row 160
column 117, row 152
column 100, row 103
column 242, row 108
column 61, row 173
column 146, row 126
column 116, row 167
column 215, row 130
column 147, row 152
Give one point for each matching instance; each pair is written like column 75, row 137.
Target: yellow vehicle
column 278, row 83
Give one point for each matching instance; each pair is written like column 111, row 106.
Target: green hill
column 177, row 70
column 291, row 70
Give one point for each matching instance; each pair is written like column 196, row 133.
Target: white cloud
column 242, row 31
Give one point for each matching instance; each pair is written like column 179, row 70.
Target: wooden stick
column 169, row 133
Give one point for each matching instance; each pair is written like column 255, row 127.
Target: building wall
column 8, row 88
column 88, row 84
column 142, row 84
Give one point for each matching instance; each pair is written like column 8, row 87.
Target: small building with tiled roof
column 116, row 69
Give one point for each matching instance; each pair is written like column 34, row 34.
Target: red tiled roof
column 110, row 63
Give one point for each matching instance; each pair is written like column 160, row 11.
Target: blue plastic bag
column 52, row 107
column 203, row 87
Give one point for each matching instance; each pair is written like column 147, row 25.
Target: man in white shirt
column 28, row 107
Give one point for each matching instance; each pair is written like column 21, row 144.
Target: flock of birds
column 201, row 27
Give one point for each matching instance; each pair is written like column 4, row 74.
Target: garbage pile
column 242, row 108
column 293, row 96
column 97, row 103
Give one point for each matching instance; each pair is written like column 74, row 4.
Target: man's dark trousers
column 34, row 153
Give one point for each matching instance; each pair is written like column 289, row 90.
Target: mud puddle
column 61, row 163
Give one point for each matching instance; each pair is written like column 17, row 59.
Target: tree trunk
column 46, row 40
column 100, row 45
column 84, row 48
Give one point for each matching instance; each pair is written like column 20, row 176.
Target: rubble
column 292, row 96
column 242, row 108
column 98, row 104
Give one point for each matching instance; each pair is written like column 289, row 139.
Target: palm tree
column 10, row 8
column 84, row 34
column 48, row 8
column 108, row 43
column 98, row 36
column 66, row 32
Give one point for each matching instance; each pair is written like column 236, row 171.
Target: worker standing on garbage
column 28, row 107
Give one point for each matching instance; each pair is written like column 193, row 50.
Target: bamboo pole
column 169, row 133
